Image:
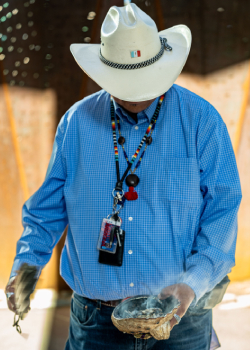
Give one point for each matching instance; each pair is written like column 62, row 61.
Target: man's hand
column 10, row 294
column 19, row 289
column 183, row 293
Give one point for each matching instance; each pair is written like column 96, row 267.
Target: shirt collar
column 148, row 112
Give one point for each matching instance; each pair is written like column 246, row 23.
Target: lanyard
column 132, row 180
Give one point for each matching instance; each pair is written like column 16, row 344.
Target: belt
column 112, row 303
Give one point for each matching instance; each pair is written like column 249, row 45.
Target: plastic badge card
column 108, row 236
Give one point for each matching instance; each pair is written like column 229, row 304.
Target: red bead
column 131, row 195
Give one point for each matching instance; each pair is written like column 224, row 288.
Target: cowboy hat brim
column 138, row 84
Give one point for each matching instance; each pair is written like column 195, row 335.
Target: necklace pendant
column 131, row 195
column 121, row 140
column 149, row 140
column 132, row 180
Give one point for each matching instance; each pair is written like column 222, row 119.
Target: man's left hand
column 183, row 293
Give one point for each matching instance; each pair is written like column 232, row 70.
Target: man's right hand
column 19, row 289
column 10, row 294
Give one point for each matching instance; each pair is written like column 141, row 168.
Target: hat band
column 164, row 46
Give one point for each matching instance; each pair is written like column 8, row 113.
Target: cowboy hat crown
column 128, row 29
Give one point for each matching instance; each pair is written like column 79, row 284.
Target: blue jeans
column 91, row 328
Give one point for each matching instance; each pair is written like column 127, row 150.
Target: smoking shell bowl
column 123, row 320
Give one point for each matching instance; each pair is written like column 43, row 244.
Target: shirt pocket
column 181, row 181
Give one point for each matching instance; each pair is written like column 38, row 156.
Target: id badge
column 108, row 235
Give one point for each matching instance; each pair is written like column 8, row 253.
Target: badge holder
column 111, row 238
column 116, row 258
column 109, row 235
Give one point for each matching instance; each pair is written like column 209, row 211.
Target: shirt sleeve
column 44, row 215
column 213, row 251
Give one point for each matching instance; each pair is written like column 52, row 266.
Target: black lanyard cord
column 118, row 186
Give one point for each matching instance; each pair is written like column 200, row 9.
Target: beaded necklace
column 132, row 180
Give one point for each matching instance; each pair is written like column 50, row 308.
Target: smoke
column 146, row 307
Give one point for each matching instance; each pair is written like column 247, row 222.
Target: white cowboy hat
column 129, row 37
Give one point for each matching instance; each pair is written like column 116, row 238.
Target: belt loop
column 98, row 304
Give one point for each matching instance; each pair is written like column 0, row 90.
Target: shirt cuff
column 197, row 282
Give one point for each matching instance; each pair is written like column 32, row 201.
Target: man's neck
column 132, row 115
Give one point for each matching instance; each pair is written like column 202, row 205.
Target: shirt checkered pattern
column 184, row 222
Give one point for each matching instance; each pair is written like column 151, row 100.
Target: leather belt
column 112, row 303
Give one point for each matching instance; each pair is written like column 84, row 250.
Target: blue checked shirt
column 182, row 227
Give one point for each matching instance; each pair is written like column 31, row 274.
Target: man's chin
column 132, row 109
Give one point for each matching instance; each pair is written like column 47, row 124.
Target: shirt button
column 130, row 218
column 136, row 127
column 130, row 251
column 131, row 284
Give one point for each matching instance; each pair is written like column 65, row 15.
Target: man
column 173, row 213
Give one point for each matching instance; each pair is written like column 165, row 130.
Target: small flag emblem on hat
column 136, row 53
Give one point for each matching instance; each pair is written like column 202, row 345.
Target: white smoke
column 146, row 307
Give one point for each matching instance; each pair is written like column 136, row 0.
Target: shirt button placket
column 131, row 252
